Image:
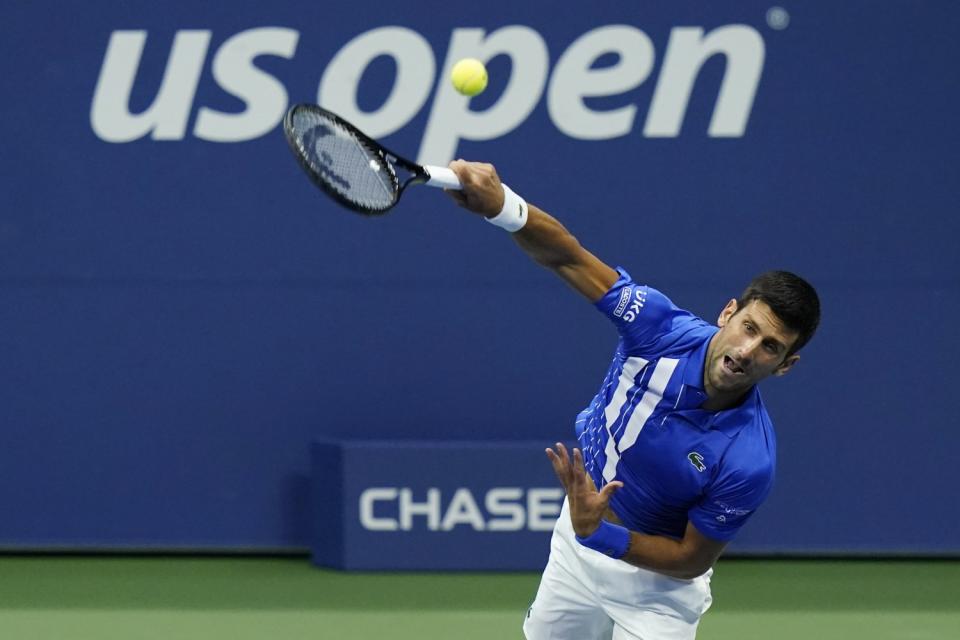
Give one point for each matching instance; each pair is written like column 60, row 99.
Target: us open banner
column 432, row 505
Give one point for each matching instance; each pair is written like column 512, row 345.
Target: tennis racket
column 352, row 168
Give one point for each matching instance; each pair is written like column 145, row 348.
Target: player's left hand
column 587, row 505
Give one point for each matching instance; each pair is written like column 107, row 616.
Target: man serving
column 676, row 448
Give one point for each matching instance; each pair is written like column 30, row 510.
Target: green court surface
column 214, row 598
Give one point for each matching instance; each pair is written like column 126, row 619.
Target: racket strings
column 343, row 163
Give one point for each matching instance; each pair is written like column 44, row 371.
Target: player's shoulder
column 643, row 308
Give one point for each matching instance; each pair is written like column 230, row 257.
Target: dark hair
column 791, row 298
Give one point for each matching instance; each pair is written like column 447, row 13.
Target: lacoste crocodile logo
column 696, row 460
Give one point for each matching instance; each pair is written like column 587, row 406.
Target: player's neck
column 719, row 401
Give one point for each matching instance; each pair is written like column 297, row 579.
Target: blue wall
column 181, row 316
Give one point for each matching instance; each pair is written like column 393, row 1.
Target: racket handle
column 443, row 178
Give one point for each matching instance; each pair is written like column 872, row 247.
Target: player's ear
column 727, row 313
column 786, row 365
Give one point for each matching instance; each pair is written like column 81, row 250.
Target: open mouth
column 731, row 366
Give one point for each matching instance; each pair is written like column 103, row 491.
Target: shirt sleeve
column 730, row 502
column 641, row 313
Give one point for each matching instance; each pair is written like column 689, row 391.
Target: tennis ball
column 469, row 76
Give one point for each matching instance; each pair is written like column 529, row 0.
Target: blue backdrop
column 182, row 312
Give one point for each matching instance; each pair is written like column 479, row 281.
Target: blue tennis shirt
column 644, row 427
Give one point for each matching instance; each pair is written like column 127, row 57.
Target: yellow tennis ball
column 469, row 76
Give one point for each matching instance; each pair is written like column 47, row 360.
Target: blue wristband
column 609, row 539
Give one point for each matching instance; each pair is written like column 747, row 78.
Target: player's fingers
column 578, row 461
column 578, row 475
column 557, row 459
column 562, row 450
column 559, row 467
column 609, row 489
column 462, row 170
column 564, row 455
column 552, row 456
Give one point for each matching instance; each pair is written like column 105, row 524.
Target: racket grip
column 443, row 178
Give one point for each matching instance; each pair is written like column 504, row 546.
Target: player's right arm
column 543, row 238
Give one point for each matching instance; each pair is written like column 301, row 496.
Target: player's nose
column 746, row 353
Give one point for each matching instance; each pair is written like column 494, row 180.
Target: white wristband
column 514, row 213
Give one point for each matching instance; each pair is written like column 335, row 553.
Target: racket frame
column 390, row 160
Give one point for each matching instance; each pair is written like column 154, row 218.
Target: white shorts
column 585, row 595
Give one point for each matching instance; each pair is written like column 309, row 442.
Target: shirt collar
column 692, row 393
column 693, row 372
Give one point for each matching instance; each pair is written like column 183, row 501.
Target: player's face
column 752, row 344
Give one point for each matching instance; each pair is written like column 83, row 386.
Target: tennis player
column 676, row 449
